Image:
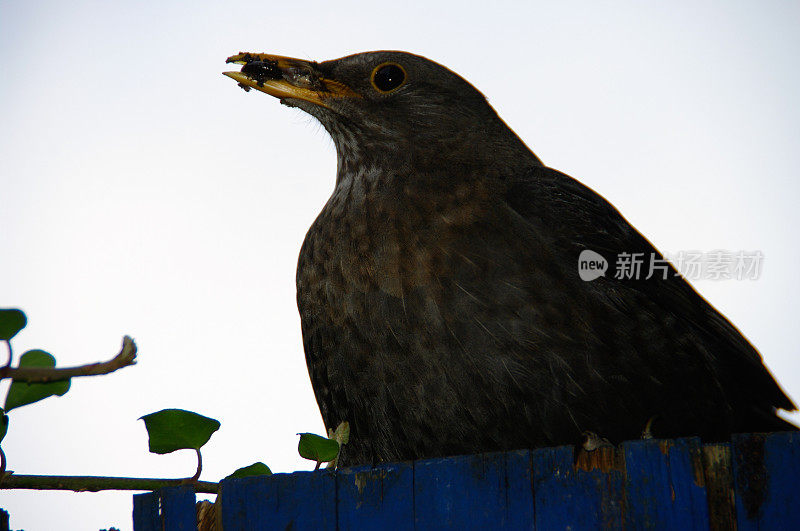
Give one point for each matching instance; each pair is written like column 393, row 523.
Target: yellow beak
column 286, row 78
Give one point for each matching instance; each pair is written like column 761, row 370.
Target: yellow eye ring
column 388, row 77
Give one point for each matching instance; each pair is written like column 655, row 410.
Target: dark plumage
column 442, row 310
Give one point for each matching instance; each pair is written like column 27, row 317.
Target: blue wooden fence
column 751, row 483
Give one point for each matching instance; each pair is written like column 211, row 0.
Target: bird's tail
column 767, row 421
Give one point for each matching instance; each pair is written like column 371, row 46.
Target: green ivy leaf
column 256, row 469
column 23, row 393
column 11, row 322
column 3, row 424
column 177, row 429
column 317, row 448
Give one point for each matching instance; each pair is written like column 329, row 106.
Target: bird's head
column 386, row 106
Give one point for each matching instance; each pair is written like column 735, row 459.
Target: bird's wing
column 581, row 219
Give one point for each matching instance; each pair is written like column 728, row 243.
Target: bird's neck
column 494, row 153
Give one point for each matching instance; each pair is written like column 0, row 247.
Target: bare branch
column 126, row 357
column 97, row 483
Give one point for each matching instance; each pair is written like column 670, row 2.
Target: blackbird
column 442, row 304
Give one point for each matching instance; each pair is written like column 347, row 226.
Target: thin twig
column 97, row 483
column 126, row 357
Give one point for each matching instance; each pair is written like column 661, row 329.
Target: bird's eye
column 388, row 76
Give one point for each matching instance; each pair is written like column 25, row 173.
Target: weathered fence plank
column 572, row 496
column 468, row 492
column 302, row 500
column 665, row 485
column 171, row 508
column 766, row 469
column 719, row 486
column 519, row 484
column 376, row 498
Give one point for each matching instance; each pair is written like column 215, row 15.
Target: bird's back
column 581, row 219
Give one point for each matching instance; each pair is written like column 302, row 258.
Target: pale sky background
column 143, row 193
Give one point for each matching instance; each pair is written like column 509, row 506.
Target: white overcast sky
column 143, row 193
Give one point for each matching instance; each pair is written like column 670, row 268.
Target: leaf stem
column 10, row 355
column 196, row 476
